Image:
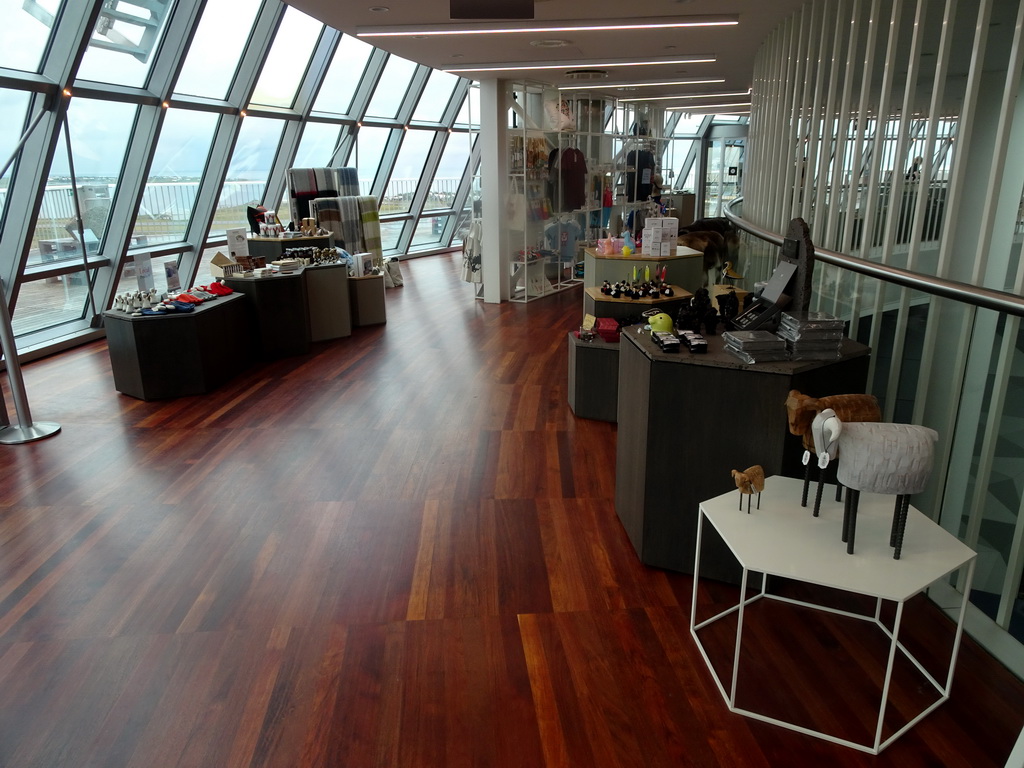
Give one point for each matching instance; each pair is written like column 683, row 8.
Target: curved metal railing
column 976, row 296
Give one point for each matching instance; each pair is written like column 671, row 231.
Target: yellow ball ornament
column 626, row 250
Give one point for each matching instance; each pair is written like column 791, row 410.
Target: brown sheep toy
column 800, row 412
column 749, row 482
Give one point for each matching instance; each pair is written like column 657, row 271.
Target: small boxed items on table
column 608, row 329
column 755, row 346
column 696, row 343
column 812, row 335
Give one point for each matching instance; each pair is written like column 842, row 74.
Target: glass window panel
column 407, row 171
column 99, row 138
column 343, row 76
column 218, row 44
column 429, row 231
column 14, row 105
column 50, row 301
column 450, row 170
column 174, row 176
column 436, row 95
column 25, row 32
column 126, row 36
column 469, row 114
column 317, row 145
column 129, row 280
column 390, row 231
column 370, row 144
column 248, row 173
column 392, row 88
column 288, row 59
column 688, row 125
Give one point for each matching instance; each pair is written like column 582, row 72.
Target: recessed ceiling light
column 651, row 84
column 516, row 66
column 458, row 55
column 549, row 43
column 379, row 8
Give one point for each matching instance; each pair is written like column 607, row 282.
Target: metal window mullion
column 26, row 188
column 419, row 196
column 346, row 143
column 174, row 44
column 387, row 163
column 316, row 70
column 205, row 207
column 413, row 93
column 255, row 54
column 131, row 186
column 459, row 94
column 375, row 64
column 284, row 158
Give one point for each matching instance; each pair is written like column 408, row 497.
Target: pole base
column 17, row 434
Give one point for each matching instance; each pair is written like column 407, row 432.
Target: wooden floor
column 398, row 550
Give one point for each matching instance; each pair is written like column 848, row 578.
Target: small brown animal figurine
column 749, row 482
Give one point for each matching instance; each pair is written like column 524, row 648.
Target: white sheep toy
column 802, row 410
column 892, row 459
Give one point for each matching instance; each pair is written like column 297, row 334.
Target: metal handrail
column 986, row 298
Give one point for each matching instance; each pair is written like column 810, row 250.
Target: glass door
column 723, row 174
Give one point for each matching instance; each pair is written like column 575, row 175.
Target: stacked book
column 755, row 346
column 812, row 335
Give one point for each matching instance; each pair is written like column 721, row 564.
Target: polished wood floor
column 398, row 550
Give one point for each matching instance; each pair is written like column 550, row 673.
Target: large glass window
column 450, row 170
column 100, row 131
column 370, row 143
column 25, row 32
column 469, row 114
column 174, row 176
column 248, row 173
column 124, row 42
column 318, row 143
column 343, row 76
column 407, row 171
column 217, row 47
column 392, row 88
column 13, row 104
column 436, row 95
column 288, row 59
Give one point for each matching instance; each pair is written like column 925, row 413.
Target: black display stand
column 593, row 378
column 278, row 317
column 685, row 421
column 179, row 354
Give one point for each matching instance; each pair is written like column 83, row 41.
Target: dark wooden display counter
column 685, row 421
column 180, row 353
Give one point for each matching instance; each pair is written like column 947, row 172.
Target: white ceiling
column 734, row 47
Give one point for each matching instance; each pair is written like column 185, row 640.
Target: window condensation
column 287, row 61
column 217, row 47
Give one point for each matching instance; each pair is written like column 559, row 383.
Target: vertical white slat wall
column 847, row 85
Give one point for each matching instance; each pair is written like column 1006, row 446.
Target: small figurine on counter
column 749, row 482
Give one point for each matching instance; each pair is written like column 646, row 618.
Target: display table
column 277, row 311
column 685, row 421
column 685, row 268
column 366, row 295
column 271, row 248
column 178, row 354
column 599, row 305
column 593, row 378
column 784, row 539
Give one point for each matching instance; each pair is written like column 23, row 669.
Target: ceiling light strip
column 514, row 67
column 681, row 96
column 649, row 83
column 568, row 25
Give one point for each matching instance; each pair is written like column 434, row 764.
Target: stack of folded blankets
column 812, row 335
column 755, row 346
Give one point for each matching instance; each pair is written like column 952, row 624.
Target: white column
column 493, row 190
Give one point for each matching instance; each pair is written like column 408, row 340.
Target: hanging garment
column 638, row 181
column 572, row 166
